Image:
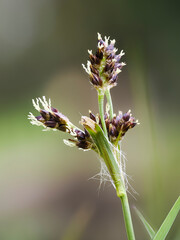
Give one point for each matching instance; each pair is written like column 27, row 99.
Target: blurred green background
column 45, row 191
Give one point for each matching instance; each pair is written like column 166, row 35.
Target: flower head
column 117, row 126
column 103, row 67
column 51, row 118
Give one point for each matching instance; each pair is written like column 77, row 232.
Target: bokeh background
column 45, row 191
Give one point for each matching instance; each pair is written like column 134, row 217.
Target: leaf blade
column 147, row 226
column 168, row 222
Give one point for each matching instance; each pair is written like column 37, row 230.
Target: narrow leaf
column 105, row 151
column 148, row 227
column 167, row 224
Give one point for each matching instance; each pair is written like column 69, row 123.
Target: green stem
column 118, row 139
column 101, row 110
column 127, row 217
column 109, row 100
column 125, row 203
column 111, row 157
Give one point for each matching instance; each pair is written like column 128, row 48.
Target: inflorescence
column 103, row 69
column 117, row 126
column 103, row 131
column 51, row 118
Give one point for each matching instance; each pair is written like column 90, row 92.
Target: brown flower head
column 118, row 125
column 104, row 67
column 51, row 118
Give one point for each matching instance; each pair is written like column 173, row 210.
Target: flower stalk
column 107, row 153
column 127, row 217
column 109, row 100
column 101, row 110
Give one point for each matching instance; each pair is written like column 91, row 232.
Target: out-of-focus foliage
column 43, row 183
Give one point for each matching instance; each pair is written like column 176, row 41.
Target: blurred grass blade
column 177, row 236
column 148, row 227
column 78, row 223
column 166, row 225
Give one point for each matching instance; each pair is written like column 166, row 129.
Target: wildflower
column 104, row 67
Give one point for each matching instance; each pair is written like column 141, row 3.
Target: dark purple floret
column 105, row 65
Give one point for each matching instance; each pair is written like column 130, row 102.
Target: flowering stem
column 127, row 217
column 118, row 139
column 101, row 110
column 125, row 204
column 109, row 100
column 111, row 159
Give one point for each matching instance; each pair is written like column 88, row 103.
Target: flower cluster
column 82, row 140
column 103, row 131
column 118, row 125
column 51, row 118
column 104, row 67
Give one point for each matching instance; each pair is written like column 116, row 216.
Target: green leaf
column 167, row 224
column 106, row 151
column 148, row 227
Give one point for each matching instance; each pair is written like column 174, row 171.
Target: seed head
column 51, row 118
column 118, row 125
column 104, row 66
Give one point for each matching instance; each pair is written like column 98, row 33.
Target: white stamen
column 36, row 104
column 34, row 121
column 85, row 150
column 122, row 53
column 100, row 45
column 115, row 50
column 123, row 64
column 90, row 52
column 137, row 121
column 97, row 118
column 87, row 69
column 117, row 71
column 49, row 129
column 99, row 36
column 72, row 132
column 106, row 42
column 45, row 104
column 69, row 143
column 113, row 41
column 50, row 103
